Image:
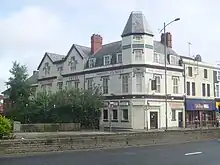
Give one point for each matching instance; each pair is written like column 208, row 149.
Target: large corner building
column 124, row 70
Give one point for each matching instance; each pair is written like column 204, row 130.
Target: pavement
column 202, row 153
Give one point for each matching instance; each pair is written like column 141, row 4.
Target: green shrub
column 5, row 126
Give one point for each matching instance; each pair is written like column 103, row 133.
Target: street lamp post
column 165, row 56
column 111, row 104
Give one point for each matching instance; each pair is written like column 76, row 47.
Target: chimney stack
column 35, row 72
column 168, row 39
column 96, row 43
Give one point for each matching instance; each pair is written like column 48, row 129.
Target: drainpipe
column 184, row 97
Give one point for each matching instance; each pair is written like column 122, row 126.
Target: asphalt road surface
column 202, row 153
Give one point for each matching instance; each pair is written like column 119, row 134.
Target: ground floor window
column 125, row 114
column 201, row 117
column 105, row 114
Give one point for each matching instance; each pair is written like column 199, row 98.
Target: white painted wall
column 198, row 78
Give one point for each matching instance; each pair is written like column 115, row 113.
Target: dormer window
column 92, row 62
column 137, row 37
column 119, row 58
column 174, row 60
column 107, row 60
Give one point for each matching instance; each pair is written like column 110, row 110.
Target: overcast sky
column 29, row 28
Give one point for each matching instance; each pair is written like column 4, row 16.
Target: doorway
column 180, row 119
column 153, row 120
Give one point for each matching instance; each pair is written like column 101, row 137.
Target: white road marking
column 193, row 153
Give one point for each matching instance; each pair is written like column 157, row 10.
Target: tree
column 19, row 91
column 19, row 88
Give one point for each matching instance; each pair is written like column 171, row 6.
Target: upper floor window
column 205, row 73
column 158, row 58
column 193, row 88
column 72, row 63
column 208, row 90
column 218, row 75
column 60, row 69
column 216, row 90
column 137, row 37
column 89, row 83
column 119, row 58
column 203, row 90
column 105, row 84
column 125, row 83
column 158, row 83
column 138, row 54
column 107, row 60
column 189, row 71
column 92, row 62
column 60, row 85
column 174, row 60
column 188, row 88
column 175, row 85
column 46, row 69
column 139, row 78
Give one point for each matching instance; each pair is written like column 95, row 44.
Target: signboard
column 200, row 104
column 108, row 73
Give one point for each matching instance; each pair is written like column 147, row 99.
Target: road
column 202, row 153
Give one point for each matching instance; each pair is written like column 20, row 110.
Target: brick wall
column 106, row 141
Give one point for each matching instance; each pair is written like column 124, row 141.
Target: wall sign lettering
column 110, row 72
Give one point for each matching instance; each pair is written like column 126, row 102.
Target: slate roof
column 137, row 24
column 55, row 57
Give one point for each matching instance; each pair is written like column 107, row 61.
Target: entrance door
column 153, row 120
column 180, row 119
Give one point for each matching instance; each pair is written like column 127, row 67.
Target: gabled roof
column 137, row 24
column 53, row 58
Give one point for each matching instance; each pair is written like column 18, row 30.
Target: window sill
column 124, row 121
column 105, row 120
column 173, row 120
column 115, row 120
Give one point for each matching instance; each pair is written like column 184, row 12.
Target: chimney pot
column 168, row 39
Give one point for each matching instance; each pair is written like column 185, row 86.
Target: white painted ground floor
column 142, row 114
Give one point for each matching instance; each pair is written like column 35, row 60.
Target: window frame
column 190, row 74
column 138, row 57
column 122, row 116
column 173, row 114
column 117, row 60
column 105, row 85
column 107, row 62
column 124, row 82
column 175, row 85
column 205, row 73
column 158, row 85
column 92, row 62
column 140, row 84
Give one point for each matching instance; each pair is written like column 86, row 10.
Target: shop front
column 200, row 113
column 217, row 106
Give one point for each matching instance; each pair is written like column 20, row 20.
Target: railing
column 202, row 124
